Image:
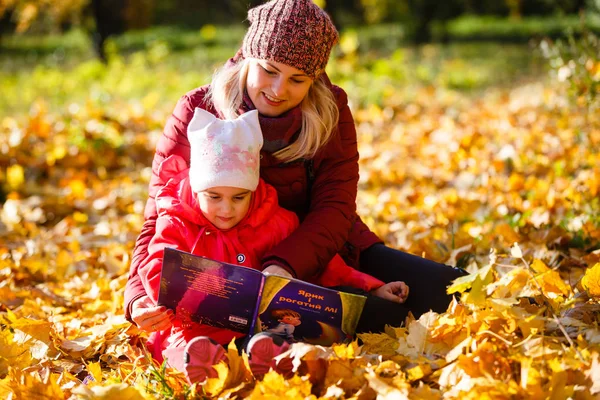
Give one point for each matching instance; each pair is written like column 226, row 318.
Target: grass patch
column 519, row 30
column 155, row 67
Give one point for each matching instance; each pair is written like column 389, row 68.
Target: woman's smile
column 272, row 100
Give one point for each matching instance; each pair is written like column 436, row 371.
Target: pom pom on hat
column 224, row 152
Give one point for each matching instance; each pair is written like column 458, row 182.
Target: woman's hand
column 277, row 270
column 150, row 317
column 393, row 291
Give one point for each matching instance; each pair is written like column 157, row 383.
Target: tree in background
column 51, row 15
column 545, row 7
column 113, row 17
column 101, row 18
column 7, row 24
column 417, row 15
column 577, row 63
column 426, row 12
column 104, row 18
column 109, row 20
column 420, row 16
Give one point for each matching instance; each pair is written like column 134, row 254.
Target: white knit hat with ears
column 224, row 152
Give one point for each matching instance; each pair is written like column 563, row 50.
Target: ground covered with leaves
column 505, row 184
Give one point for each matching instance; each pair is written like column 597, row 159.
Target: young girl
column 219, row 208
column 309, row 156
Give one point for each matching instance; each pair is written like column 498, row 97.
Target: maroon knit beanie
column 293, row 32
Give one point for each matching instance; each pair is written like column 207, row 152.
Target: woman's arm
column 332, row 211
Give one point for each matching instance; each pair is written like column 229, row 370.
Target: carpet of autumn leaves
column 505, row 184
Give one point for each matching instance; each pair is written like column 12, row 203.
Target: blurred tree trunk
column 108, row 18
column 349, row 12
column 515, row 8
column 137, row 14
column 7, row 24
column 332, row 7
column 424, row 13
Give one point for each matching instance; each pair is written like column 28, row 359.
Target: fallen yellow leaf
column 15, row 176
column 379, row 343
column 418, row 372
column 591, row 280
column 119, row 391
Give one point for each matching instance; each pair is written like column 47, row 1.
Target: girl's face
column 275, row 88
column 224, row 206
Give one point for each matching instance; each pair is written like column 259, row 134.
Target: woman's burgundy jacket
column 321, row 192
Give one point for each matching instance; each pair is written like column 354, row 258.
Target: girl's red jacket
column 181, row 225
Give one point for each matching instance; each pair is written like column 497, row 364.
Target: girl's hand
column 150, row 317
column 277, row 270
column 393, row 291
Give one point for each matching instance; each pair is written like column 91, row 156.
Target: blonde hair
column 320, row 113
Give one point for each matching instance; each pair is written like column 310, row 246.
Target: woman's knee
column 391, row 264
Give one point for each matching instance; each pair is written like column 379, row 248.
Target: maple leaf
column 346, row 351
column 15, row 176
column 453, row 354
column 385, row 390
column 531, row 379
column 307, row 354
column 5, row 389
column 551, row 283
column 37, row 329
column 379, row 343
column 274, row 386
column 515, row 251
column 425, row 392
column 346, row 374
column 12, row 353
column 593, row 374
column 417, row 340
column 591, row 280
column 95, row 371
column 120, row 391
column 239, row 369
column 32, row 386
column 510, row 285
column 214, row 386
column 418, row 372
column 468, row 281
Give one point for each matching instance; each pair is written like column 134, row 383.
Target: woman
column 309, row 155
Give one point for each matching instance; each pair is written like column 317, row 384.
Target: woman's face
column 275, row 88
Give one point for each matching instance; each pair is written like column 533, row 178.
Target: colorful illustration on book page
column 201, row 290
column 301, row 312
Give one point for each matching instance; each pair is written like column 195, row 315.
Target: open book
column 205, row 291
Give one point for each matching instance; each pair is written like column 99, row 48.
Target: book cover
column 206, row 291
column 302, row 312
column 241, row 299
